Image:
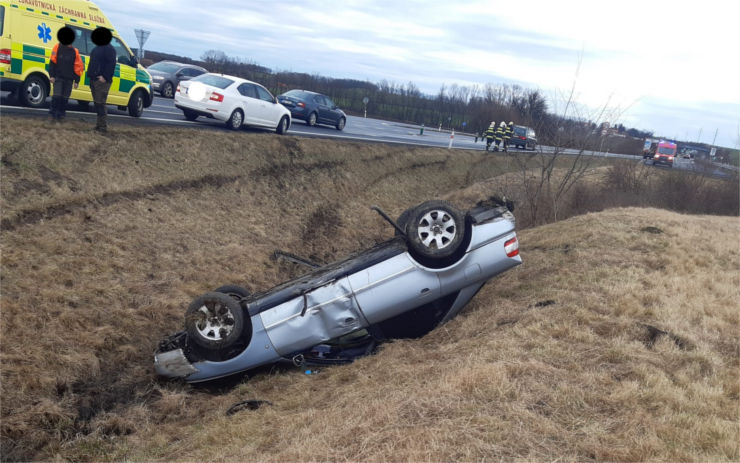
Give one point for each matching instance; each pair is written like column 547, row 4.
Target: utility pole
column 715, row 136
column 141, row 36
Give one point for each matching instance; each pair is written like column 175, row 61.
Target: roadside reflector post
column 452, row 137
column 421, row 130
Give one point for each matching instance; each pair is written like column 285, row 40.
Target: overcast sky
column 671, row 67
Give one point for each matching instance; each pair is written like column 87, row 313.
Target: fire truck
column 660, row 151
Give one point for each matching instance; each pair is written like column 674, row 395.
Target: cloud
column 631, row 54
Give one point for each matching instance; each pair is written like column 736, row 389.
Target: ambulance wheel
column 136, row 104
column 83, row 105
column 34, row 91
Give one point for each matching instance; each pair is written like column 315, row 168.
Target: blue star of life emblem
column 44, row 32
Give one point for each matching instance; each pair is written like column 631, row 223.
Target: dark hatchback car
column 166, row 76
column 523, row 137
column 314, row 108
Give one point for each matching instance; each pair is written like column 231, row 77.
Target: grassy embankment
column 107, row 239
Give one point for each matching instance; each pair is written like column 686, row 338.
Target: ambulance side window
column 82, row 38
column 122, row 54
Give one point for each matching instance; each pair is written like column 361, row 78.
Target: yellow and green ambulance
column 28, row 32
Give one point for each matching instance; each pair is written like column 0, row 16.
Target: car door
column 333, row 113
column 324, row 110
column 324, row 313
column 250, row 102
column 124, row 75
column 270, row 110
column 392, row 287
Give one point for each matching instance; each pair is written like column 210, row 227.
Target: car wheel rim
column 437, row 229
column 34, row 92
column 341, row 124
column 168, row 90
column 215, row 321
column 237, row 120
column 312, row 119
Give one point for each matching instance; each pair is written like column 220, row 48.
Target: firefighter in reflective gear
column 490, row 134
column 499, row 134
column 65, row 69
column 508, row 131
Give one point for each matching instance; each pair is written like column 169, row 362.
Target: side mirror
column 179, row 74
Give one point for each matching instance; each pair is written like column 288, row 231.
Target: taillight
column 301, row 104
column 512, row 247
column 522, row 138
column 178, row 88
column 215, row 96
column 5, row 56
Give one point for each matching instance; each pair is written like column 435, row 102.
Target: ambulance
column 28, row 32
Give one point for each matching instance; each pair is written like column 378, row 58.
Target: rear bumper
column 200, row 111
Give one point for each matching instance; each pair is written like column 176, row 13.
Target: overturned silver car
column 404, row 287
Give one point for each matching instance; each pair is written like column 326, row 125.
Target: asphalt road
column 163, row 112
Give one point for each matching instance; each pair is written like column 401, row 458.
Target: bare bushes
column 629, row 183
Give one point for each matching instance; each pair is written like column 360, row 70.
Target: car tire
column 168, row 90
column 340, row 123
column 282, row 126
column 136, row 104
column 236, row 120
column 235, row 291
column 34, row 91
column 435, row 230
column 83, row 105
column 214, row 321
column 311, row 121
column 190, row 115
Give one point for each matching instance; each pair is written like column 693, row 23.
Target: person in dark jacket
column 65, row 69
column 100, row 72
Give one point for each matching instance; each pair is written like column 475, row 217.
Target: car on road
column 167, row 75
column 314, row 108
column 523, row 137
column 438, row 260
column 232, row 100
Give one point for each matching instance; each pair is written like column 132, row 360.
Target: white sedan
column 233, row 100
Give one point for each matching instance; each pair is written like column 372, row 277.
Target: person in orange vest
column 65, row 69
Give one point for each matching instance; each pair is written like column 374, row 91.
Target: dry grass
column 106, row 241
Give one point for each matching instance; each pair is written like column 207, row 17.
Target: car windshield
column 214, row 81
column 666, row 150
column 299, row 94
column 164, row 67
